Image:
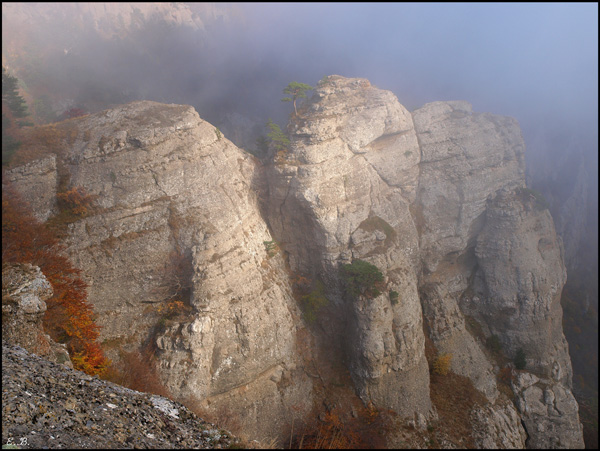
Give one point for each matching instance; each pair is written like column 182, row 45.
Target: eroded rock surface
column 435, row 199
column 24, row 292
column 175, row 204
column 549, row 412
column 342, row 193
column 498, row 427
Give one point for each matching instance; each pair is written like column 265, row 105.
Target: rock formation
column 170, row 187
column 335, row 197
column 436, row 200
column 24, row 292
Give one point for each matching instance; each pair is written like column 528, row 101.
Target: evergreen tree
column 297, row 91
column 278, row 139
column 13, row 107
column 11, row 97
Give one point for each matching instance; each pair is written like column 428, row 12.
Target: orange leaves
column 69, row 318
column 76, row 200
column 173, row 308
column 366, row 428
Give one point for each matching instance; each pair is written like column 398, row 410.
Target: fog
column 535, row 62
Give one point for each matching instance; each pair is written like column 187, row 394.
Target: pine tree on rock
column 296, row 91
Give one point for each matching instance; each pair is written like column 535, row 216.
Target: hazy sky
column 537, row 62
column 515, row 59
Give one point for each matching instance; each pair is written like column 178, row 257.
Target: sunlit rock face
column 434, row 199
column 343, row 192
column 169, row 186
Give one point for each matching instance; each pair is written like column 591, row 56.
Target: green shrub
column 520, row 359
column 362, row 277
column 493, row 343
column 313, row 302
column 271, row 247
column 394, row 297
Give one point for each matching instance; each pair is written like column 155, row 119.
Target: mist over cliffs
column 435, row 198
column 452, row 229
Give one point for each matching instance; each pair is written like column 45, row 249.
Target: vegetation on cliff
column 296, row 91
column 362, row 278
column 69, row 318
column 13, row 108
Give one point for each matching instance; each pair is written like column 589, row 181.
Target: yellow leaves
column 171, row 308
column 441, row 365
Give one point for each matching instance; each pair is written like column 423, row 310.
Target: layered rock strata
column 174, row 253
column 24, row 292
column 341, row 193
column 435, row 199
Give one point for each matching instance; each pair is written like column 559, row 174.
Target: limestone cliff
column 436, row 200
column 334, row 198
column 24, row 292
column 170, row 186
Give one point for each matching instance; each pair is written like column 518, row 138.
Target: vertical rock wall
column 342, row 193
column 435, row 200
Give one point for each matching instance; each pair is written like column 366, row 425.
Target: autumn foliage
column 334, row 430
column 69, row 318
column 76, row 200
column 441, row 365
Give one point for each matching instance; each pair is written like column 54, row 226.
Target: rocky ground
column 47, row 405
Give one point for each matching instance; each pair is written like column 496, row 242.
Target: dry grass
column 441, row 365
column 454, row 397
column 137, row 371
column 335, row 429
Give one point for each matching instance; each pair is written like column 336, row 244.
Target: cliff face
column 335, row 198
column 170, row 188
column 24, row 292
column 434, row 199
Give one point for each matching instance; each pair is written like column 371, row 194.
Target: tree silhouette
column 13, row 108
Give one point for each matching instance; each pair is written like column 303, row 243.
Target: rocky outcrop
column 498, row 427
column 335, row 198
column 519, row 281
column 178, row 255
column 491, row 256
column 466, row 158
column 45, row 405
column 548, row 411
column 24, row 292
column 177, row 220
